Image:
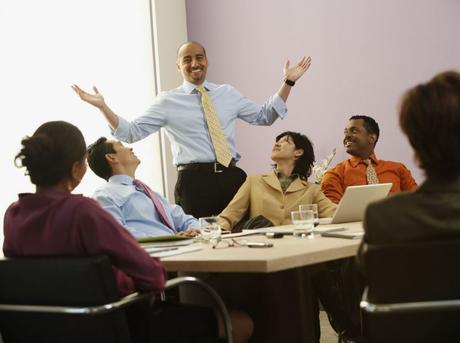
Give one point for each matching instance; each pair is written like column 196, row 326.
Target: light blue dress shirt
column 180, row 113
column 135, row 211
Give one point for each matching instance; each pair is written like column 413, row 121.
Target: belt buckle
column 216, row 167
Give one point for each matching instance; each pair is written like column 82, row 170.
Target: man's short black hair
column 96, row 157
column 370, row 124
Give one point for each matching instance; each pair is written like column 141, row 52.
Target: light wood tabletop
column 287, row 253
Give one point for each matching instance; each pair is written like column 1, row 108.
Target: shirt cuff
column 121, row 131
column 280, row 106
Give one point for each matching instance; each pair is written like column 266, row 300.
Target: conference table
column 274, row 282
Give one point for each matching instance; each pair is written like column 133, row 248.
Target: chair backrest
column 60, row 281
column 410, row 273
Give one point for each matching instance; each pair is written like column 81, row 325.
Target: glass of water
column 210, row 230
column 311, row 207
column 303, row 223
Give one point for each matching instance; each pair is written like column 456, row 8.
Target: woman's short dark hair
column 430, row 117
column 96, row 157
column 48, row 155
column 304, row 163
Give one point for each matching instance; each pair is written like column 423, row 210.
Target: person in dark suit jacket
column 430, row 117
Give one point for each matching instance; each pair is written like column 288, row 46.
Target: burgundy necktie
column 156, row 202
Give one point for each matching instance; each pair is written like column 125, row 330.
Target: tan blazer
column 262, row 195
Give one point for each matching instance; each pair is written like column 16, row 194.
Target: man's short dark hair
column 370, row 124
column 304, row 163
column 430, row 117
column 96, row 157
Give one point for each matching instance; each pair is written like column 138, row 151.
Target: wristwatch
column 289, row 82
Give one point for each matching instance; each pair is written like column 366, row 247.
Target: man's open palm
column 95, row 99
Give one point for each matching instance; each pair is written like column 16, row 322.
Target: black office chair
column 413, row 292
column 71, row 300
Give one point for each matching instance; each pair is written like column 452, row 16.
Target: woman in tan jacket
column 276, row 194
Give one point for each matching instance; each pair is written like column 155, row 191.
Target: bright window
column 48, row 45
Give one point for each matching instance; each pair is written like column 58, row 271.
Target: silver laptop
column 355, row 200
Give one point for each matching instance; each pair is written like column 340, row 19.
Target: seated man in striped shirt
column 363, row 167
column 141, row 211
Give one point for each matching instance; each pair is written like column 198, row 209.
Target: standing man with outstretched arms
column 199, row 120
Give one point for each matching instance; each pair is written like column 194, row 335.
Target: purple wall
column 365, row 54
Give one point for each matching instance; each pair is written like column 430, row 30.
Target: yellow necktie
column 219, row 141
column 371, row 173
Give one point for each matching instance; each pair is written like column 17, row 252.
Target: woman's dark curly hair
column 304, row 163
column 48, row 155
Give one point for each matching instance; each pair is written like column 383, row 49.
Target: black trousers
column 206, row 193
column 169, row 322
column 337, row 286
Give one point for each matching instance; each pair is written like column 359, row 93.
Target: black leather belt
column 214, row 167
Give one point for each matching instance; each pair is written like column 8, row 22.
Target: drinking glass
column 210, row 230
column 303, row 223
column 311, row 207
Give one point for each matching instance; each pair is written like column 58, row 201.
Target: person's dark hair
column 304, row 163
column 370, row 124
column 430, row 117
column 96, row 157
column 48, row 155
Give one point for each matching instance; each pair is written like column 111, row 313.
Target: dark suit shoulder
column 383, row 218
column 413, row 216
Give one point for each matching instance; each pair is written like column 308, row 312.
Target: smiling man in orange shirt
column 361, row 136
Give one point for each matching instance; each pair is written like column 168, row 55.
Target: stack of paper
column 165, row 252
column 284, row 229
column 170, row 245
column 165, row 241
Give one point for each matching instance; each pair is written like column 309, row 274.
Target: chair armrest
column 88, row 310
column 182, row 280
column 434, row 305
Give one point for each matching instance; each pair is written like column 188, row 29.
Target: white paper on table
column 165, row 252
column 286, row 229
column 165, row 244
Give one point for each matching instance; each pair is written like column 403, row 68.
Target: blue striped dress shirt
column 179, row 112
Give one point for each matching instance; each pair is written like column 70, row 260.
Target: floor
column 328, row 335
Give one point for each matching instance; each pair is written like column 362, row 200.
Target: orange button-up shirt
column 352, row 172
